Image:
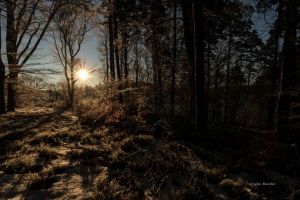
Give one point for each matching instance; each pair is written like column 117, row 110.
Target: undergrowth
column 134, row 155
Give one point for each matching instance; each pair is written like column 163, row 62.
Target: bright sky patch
column 82, row 74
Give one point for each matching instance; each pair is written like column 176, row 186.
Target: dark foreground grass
column 105, row 162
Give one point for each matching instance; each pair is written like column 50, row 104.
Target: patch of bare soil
column 48, row 154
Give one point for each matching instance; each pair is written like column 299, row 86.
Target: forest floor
column 48, row 154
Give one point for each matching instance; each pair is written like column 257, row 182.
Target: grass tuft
column 20, row 165
column 45, row 151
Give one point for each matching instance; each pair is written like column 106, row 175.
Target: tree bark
column 200, row 125
column 2, row 76
column 189, row 43
column 117, row 56
column 126, row 70
column 173, row 70
column 216, row 110
column 107, row 61
column 155, row 64
column 248, row 91
column 72, row 76
column 136, row 65
column 270, row 117
column 2, row 91
column 13, row 77
column 208, row 77
column 288, row 72
column 111, row 47
column 11, row 49
column 227, row 77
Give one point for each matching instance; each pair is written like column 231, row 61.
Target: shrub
column 95, row 112
column 105, row 111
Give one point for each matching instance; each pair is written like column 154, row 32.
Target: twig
column 140, row 150
column 250, row 156
column 81, row 147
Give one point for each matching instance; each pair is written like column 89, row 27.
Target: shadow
column 19, row 125
column 88, row 175
column 24, row 123
column 14, row 182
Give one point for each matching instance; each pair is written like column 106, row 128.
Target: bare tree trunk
column 124, row 61
column 227, row 77
column 66, row 70
column 126, row 70
column 288, row 73
column 173, row 70
column 208, row 77
column 107, row 61
column 155, row 65
column 248, row 91
column 159, row 83
column 111, row 47
column 72, row 76
column 13, row 77
column 117, row 56
column 189, row 42
column 136, row 65
column 261, row 98
column 2, row 75
column 270, row 117
column 216, row 110
column 11, row 49
column 2, row 91
column 200, row 125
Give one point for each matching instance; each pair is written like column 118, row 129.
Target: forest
column 194, row 99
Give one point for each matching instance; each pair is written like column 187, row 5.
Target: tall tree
column 71, row 28
column 116, row 47
column 111, row 43
column 157, row 13
column 173, row 70
column 275, row 36
column 26, row 24
column 200, row 125
column 103, row 49
column 228, row 75
column 2, row 72
column 189, row 43
column 288, row 80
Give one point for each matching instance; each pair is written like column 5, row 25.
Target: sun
column 82, row 74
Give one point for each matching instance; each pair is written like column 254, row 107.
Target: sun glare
column 83, row 74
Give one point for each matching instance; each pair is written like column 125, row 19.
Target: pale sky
column 88, row 52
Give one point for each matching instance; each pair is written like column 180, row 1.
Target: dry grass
column 21, row 164
column 46, row 151
column 139, row 164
